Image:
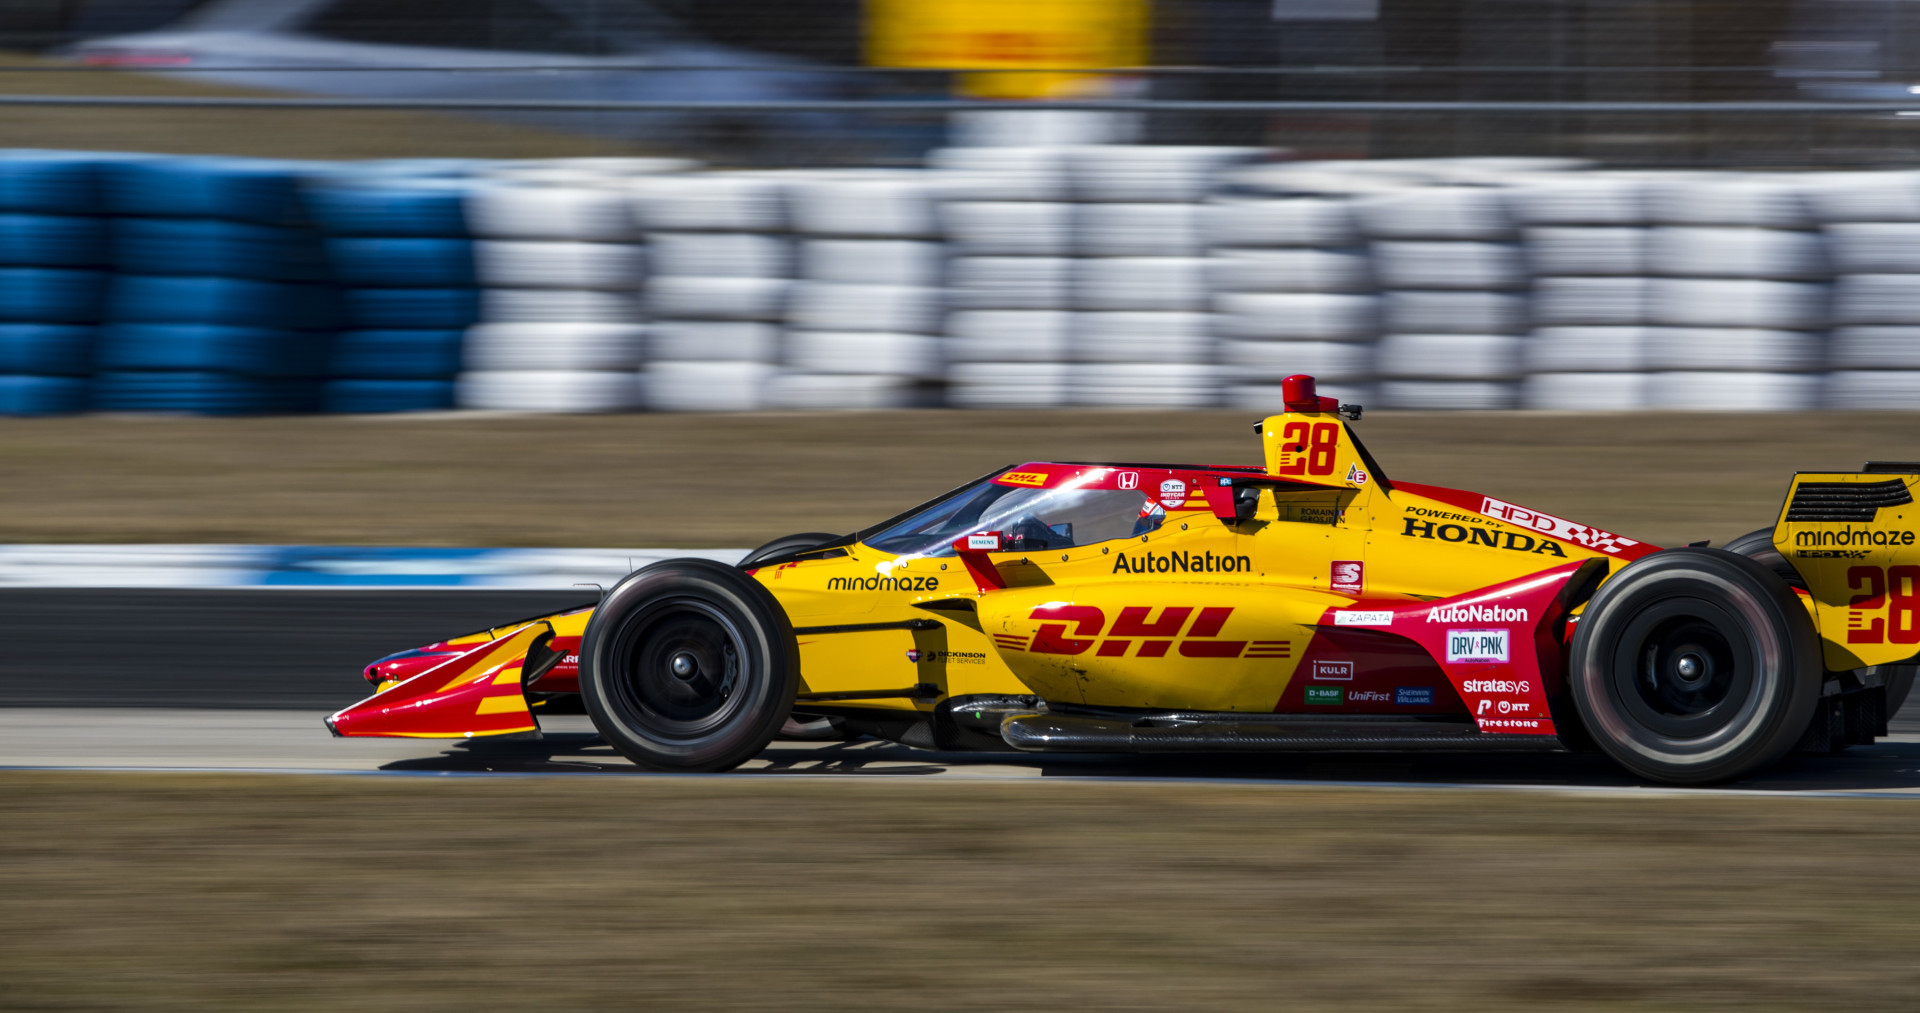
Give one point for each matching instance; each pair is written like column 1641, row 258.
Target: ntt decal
column 1476, row 614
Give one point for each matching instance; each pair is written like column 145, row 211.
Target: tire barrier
column 222, row 301
column 1012, row 277
column 401, row 250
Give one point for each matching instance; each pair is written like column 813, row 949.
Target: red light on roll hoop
column 1299, row 394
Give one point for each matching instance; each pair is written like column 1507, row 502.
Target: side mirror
column 1232, row 502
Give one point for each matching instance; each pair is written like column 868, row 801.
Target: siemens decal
column 1852, row 536
column 884, row 584
column 1182, row 562
column 1512, row 541
column 1476, row 614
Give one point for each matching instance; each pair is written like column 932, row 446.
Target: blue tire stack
column 223, row 303
column 400, row 248
column 53, row 251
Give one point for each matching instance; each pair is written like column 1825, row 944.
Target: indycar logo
column 1075, row 629
column 1173, row 493
column 1565, row 530
column 1349, row 576
column 1512, row 541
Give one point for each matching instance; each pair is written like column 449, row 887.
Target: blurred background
column 275, row 206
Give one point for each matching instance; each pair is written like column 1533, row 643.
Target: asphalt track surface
column 240, row 679
column 285, row 741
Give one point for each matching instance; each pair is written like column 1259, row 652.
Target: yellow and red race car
column 1306, row 603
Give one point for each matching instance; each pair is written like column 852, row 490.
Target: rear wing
column 1854, row 537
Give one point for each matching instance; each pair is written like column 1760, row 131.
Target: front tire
column 784, row 546
column 1694, row 666
column 689, row 665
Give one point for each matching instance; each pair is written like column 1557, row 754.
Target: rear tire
column 1694, row 666
column 785, row 546
column 689, row 665
column 1758, row 546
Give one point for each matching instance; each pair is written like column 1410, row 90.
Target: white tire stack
column 720, row 262
column 1009, row 226
column 560, row 274
column 866, row 312
column 1738, row 294
column 1141, row 333
column 1292, row 287
column 1872, row 226
column 1454, row 292
column 1585, row 238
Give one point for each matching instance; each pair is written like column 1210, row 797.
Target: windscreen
column 1031, row 519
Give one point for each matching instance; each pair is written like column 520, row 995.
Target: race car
column 1305, row 603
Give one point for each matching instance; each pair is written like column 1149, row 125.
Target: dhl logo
column 1077, row 629
column 1034, row 478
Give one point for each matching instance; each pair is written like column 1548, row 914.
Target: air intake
column 1845, row 501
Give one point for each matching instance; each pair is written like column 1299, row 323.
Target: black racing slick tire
column 1695, row 666
column 785, row 546
column 688, row 665
column 1758, row 546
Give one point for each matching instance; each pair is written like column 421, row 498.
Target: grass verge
column 738, row 480
column 133, row 892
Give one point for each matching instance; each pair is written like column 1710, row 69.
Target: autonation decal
column 1475, row 614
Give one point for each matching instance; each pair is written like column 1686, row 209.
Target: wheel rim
column 1682, row 669
column 677, row 669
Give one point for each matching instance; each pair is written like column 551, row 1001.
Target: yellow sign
column 1017, row 36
